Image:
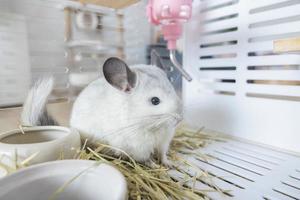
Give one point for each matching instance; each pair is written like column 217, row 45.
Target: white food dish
column 40, row 182
column 47, row 143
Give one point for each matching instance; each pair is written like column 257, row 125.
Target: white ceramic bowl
column 47, row 143
column 40, row 182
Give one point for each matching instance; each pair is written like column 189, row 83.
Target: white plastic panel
column 245, row 171
column 14, row 59
column 240, row 86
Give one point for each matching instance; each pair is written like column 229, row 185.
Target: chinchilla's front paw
column 167, row 163
column 151, row 164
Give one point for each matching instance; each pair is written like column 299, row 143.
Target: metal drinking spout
column 179, row 66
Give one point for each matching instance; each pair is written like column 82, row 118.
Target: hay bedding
column 154, row 183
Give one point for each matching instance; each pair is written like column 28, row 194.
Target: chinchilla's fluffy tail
column 34, row 109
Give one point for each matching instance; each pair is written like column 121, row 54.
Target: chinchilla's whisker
column 117, row 131
column 154, row 124
column 121, row 130
column 149, row 125
column 160, row 122
column 133, row 132
column 152, row 121
column 125, row 129
column 146, row 117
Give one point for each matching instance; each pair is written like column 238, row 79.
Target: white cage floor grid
column 248, row 172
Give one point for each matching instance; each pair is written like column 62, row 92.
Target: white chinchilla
column 132, row 108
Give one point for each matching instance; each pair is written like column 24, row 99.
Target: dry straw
column 155, row 182
column 158, row 182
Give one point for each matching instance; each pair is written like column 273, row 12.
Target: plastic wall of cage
column 37, row 41
column 241, row 86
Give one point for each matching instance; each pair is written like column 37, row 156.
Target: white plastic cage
column 240, row 88
column 246, row 90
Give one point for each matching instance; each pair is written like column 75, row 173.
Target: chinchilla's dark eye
column 155, row 100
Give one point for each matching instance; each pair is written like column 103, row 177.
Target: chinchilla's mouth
column 177, row 117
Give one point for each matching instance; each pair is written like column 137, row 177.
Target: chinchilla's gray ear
column 118, row 74
column 157, row 61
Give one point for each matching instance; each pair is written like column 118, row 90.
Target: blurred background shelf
column 290, row 45
column 92, row 45
column 117, row 4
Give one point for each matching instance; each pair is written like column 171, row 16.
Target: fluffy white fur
column 34, row 112
column 128, row 120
